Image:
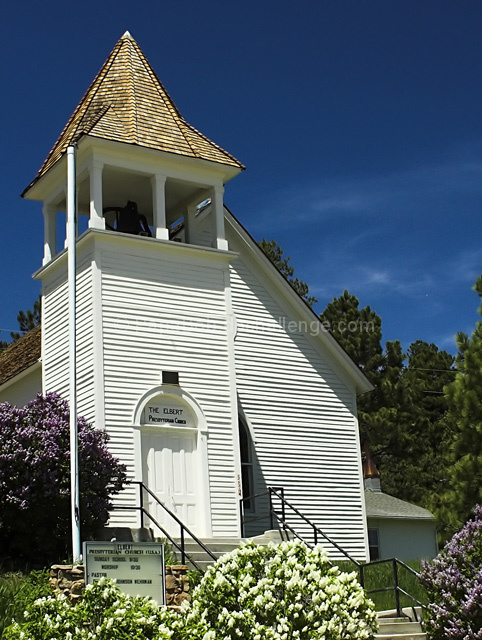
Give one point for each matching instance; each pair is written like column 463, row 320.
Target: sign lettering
column 169, row 411
column 117, row 560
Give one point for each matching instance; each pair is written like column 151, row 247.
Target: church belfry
column 134, row 146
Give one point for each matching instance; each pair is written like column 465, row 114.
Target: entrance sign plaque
column 137, row 567
column 168, row 411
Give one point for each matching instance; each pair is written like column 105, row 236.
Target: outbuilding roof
column 20, row 355
column 381, row 505
column 127, row 103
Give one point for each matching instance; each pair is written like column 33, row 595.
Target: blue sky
column 359, row 122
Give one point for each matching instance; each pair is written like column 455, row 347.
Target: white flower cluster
column 280, row 592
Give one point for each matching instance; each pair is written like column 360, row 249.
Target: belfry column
column 95, row 175
column 50, row 232
column 219, row 232
column 190, row 224
column 159, row 206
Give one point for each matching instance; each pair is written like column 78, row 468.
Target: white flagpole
column 71, row 252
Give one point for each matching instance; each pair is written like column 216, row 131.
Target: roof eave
column 42, row 185
column 21, row 374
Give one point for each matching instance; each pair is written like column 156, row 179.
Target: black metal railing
column 278, row 511
column 279, row 508
column 183, row 530
column 395, row 587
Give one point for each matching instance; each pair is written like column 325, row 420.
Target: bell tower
column 134, row 145
column 153, row 286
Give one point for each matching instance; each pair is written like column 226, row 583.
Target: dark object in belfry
column 129, row 220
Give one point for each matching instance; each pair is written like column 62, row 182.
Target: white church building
column 211, row 375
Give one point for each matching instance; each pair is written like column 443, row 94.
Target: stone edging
column 69, row 580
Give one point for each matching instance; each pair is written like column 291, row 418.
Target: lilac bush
column 454, row 585
column 35, row 480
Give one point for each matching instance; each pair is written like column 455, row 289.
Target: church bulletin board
column 137, row 567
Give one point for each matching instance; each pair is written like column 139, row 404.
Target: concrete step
column 217, row 546
column 413, row 614
column 221, row 545
column 399, row 628
column 401, row 636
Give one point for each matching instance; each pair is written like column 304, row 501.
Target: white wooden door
column 170, row 471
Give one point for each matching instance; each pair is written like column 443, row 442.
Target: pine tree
column 464, row 398
column 417, row 468
column 401, row 418
column 3, row 345
column 274, row 252
column 28, row 320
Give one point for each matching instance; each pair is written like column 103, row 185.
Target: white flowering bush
column 104, row 614
column 279, row 592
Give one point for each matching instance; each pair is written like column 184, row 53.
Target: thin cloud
column 428, row 189
column 464, row 267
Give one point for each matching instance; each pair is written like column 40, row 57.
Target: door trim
column 204, row 528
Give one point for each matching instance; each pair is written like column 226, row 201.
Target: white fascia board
column 52, row 183
column 136, row 158
column 148, row 161
column 31, row 369
column 103, row 239
column 328, row 342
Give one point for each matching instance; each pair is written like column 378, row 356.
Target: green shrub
column 254, row 593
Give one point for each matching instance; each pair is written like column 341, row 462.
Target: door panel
column 170, row 471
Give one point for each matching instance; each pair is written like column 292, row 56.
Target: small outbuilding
column 396, row 528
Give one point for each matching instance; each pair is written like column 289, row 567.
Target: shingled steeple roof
column 127, row 103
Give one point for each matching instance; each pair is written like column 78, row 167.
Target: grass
column 18, row 590
column 10, row 583
column 380, row 576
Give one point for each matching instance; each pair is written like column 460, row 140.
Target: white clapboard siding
column 159, row 314
column 55, row 327
column 301, row 408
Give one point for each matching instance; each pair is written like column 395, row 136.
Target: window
column 373, row 544
column 246, row 450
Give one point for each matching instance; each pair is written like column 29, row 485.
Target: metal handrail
column 183, row 529
column 279, row 493
column 396, row 588
column 281, row 518
column 316, row 530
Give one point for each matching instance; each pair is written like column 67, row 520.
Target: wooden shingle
column 20, row 355
column 127, row 103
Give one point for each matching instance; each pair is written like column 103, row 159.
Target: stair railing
column 398, row 591
column 183, row 530
column 278, row 514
